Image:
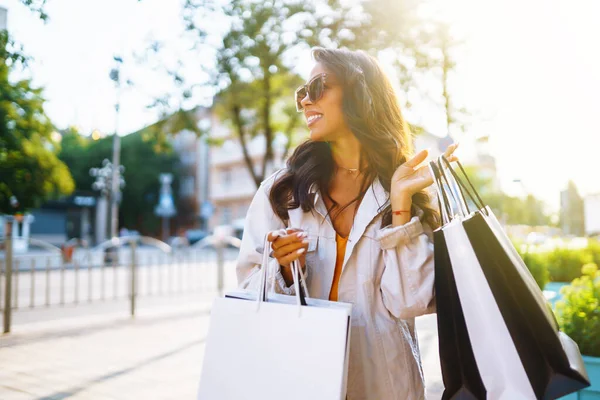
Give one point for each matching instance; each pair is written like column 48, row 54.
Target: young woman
column 351, row 207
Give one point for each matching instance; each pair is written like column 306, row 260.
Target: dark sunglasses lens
column 315, row 89
column 300, row 95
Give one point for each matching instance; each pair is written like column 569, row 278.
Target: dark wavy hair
column 371, row 111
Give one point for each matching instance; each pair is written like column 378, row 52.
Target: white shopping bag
column 269, row 347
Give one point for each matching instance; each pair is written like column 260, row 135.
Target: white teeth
column 313, row 117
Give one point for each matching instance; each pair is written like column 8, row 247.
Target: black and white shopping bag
column 498, row 337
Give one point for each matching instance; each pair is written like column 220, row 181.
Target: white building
column 231, row 184
column 3, row 19
column 591, row 214
column 215, row 180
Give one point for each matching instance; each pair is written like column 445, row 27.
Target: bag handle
column 443, row 192
column 474, row 195
column 299, row 279
column 443, row 202
column 455, row 190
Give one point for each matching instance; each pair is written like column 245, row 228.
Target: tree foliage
column 143, row 161
column 512, row 210
column 30, row 171
column 578, row 311
column 37, row 7
column 249, row 51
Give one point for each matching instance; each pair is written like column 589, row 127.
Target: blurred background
column 134, row 134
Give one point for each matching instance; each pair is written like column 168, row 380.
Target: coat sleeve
column 407, row 283
column 260, row 220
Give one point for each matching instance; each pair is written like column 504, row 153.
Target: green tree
column 30, row 170
column 250, row 56
column 446, row 44
column 254, row 83
column 513, row 210
column 37, row 7
column 143, row 159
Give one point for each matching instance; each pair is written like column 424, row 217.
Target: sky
column 529, row 72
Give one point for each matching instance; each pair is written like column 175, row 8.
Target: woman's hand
column 408, row 179
column 288, row 246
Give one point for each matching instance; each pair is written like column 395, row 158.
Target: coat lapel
column 373, row 203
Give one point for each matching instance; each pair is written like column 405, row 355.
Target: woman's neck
column 346, row 153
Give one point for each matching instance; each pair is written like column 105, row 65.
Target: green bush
column 564, row 265
column 594, row 250
column 578, row 312
column 537, row 264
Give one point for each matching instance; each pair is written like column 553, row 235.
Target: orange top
column 339, row 260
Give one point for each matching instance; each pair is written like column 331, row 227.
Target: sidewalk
column 158, row 355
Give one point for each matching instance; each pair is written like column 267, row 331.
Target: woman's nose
column 305, row 101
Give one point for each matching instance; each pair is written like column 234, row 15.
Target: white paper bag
column 275, row 349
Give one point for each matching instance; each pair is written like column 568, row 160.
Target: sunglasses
column 314, row 88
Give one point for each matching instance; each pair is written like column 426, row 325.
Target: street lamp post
column 105, row 183
column 115, row 197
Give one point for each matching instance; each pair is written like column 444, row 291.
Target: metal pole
column 62, row 283
column 76, row 266
column 165, row 229
column 114, row 194
column 8, row 278
column 133, row 277
column 48, row 282
column 116, row 156
column 220, row 261
column 32, row 292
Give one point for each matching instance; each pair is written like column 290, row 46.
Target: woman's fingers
column 288, row 245
column 271, row 236
column 449, row 153
column 291, row 248
column 281, row 233
column 284, row 240
column 291, row 257
column 417, row 159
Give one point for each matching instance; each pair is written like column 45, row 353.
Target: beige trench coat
column 387, row 275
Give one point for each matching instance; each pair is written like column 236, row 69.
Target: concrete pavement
column 158, row 355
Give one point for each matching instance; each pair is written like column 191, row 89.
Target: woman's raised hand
column 409, row 178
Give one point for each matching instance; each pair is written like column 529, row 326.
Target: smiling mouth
column 313, row 118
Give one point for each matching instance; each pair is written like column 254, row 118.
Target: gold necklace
column 351, row 170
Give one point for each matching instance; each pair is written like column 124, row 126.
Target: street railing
column 142, row 267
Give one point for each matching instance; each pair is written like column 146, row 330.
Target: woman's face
column 329, row 123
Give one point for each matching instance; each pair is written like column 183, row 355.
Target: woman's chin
column 317, row 136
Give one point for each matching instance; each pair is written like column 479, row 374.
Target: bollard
column 8, row 253
column 133, row 244
column 220, row 245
